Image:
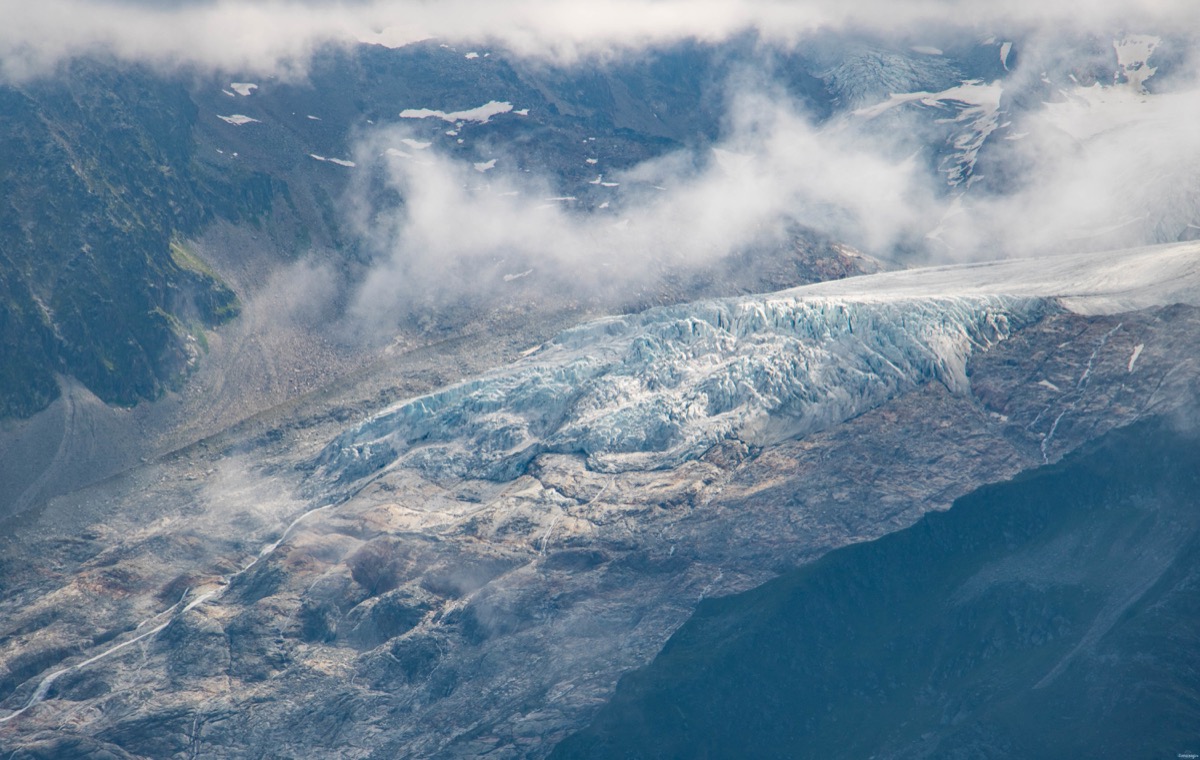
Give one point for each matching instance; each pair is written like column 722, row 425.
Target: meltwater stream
column 162, row 619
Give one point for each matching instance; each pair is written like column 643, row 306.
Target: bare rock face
column 282, row 601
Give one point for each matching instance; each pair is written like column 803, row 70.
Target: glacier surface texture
column 650, row 390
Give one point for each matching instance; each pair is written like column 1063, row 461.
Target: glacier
column 651, row 390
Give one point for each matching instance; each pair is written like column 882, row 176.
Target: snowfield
column 1109, row 282
column 338, row 161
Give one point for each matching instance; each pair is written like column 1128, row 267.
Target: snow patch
column 314, row 118
column 926, row 50
column 1133, row 54
column 471, row 56
column 416, row 144
column 1137, row 351
column 1005, row 49
column 485, row 165
column 974, row 104
column 243, row 88
column 238, row 119
column 338, row 161
column 511, row 277
column 481, row 114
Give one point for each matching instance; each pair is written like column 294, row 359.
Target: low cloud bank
column 462, row 229
column 264, row 37
column 1095, row 165
column 1073, row 164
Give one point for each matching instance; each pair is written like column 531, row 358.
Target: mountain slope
column 1050, row 616
column 96, row 187
column 220, row 598
column 108, row 164
column 411, row 506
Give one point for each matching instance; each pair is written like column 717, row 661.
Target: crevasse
column 652, row 390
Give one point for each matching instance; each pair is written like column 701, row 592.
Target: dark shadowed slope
column 96, row 185
column 1056, row 615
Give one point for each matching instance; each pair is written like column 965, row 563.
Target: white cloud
column 278, row 36
column 461, row 232
column 1097, row 167
column 1128, row 180
column 1104, row 167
